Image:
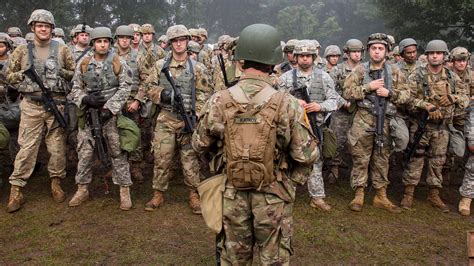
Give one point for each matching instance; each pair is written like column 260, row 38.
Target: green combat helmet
column 332, row 50
column 58, row 32
column 135, row 27
column 194, row 47
column 41, row 15
column 290, row 46
column 177, row 31
column 305, row 47
column 82, row 28
column 405, row 43
column 259, row 43
column 124, row 30
column 5, row 38
column 202, row 32
column 101, row 32
column 437, row 46
column 14, row 32
column 353, row 45
column 396, row 50
column 194, row 32
column 460, row 53
column 222, row 40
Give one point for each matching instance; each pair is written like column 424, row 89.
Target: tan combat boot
column 407, row 201
column 56, row 190
column 195, row 202
column 358, row 201
column 319, row 203
column 381, row 201
column 125, row 200
column 16, row 199
column 136, row 172
column 465, row 206
column 435, row 200
column 81, row 195
column 157, row 200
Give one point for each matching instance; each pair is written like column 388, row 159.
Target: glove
column 165, row 96
column 435, row 115
column 94, row 100
column 447, row 100
column 105, row 115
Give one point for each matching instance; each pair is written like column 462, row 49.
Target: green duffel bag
column 129, row 133
column 329, row 144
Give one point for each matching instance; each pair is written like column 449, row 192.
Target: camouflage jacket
column 408, row 69
column 205, row 57
column 3, row 77
column 467, row 77
column 131, row 57
column 77, row 52
column 117, row 101
column 470, row 125
column 294, row 138
column 147, row 57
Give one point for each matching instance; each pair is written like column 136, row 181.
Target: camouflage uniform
column 467, row 188
column 147, row 57
column 262, row 218
column 320, row 87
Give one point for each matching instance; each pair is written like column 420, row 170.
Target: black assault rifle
column 302, row 93
column 224, row 72
column 380, row 105
column 410, row 151
column 95, row 123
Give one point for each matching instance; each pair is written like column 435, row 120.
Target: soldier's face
column 377, row 52
column 3, row 49
column 83, row 38
column 333, row 59
column 196, row 39
column 124, row 42
column 355, row 56
column 101, row 46
column 179, row 45
column 42, row 31
column 147, row 37
column 459, row 65
column 163, row 45
column 136, row 37
column 435, row 58
column 305, row 61
column 409, row 54
column 291, row 58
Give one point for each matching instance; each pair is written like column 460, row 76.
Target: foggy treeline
column 330, row 22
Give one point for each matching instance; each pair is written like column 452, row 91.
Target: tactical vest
column 185, row 82
column 132, row 63
column 106, row 83
column 316, row 85
column 48, row 71
column 250, row 136
column 369, row 101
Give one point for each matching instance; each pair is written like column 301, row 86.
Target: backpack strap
column 85, row 64
column 261, row 97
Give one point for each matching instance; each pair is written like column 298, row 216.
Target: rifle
column 188, row 121
column 379, row 113
column 302, row 93
column 418, row 135
column 224, row 72
column 96, row 129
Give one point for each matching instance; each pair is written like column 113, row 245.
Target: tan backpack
column 250, row 136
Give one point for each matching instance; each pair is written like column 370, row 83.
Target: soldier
column 290, row 61
column 14, row 32
column 55, row 66
column 467, row 188
column 217, row 75
column 170, row 134
column 319, row 61
column 136, row 36
column 332, row 53
column 409, row 63
column 123, row 37
column 460, row 57
column 90, row 92
column 439, row 91
column 148, row 53
column 320, row 88
column 193, row 50
column 163, row 42
column 396, row 54
column 371, row 150
column 58, row 35
column 82, row 36
column 205, row 55
column 257, row 207
column 341, row 119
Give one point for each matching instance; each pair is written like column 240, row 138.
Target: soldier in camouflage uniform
column 136, row 36
column 439, row 91
column 225, row 46
column 148, row 53
column 205, row 55
column 81, row 47
column 14, row 32
column 102, row 82
column 332, row 53
column 467, row 188
column 55, row 65
column 193, row 50
column 30, row 37
column 169, row 136
column 341, row 119
column 319, row 61
column 290, row 61
column 320, row 88
column 123, row 37
column 261, row 216
column 163, row 42
column 370, row 154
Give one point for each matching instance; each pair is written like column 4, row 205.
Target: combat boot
column 319, row 203
column 381, row 201
column 157, row 200
column 465, row 206
column 16, row 199
column 136, row 172
column 407, row 201
column 81, row 195
column 435, row 200
column 125, row 200
column 358, row 201
column 56, row 190
column 194, row 202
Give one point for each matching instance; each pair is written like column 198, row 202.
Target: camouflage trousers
column 340, row 124
column 434, row 146
column 365, row 154
column 167, row 140
column 315, row 181
column 467, row 187
column 256, row 219
column 33, row 119
column 118, row 157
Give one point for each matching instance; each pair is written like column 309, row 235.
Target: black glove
column 165, row 96
column 12, row 93
column 105, row 115
column 94, row 100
